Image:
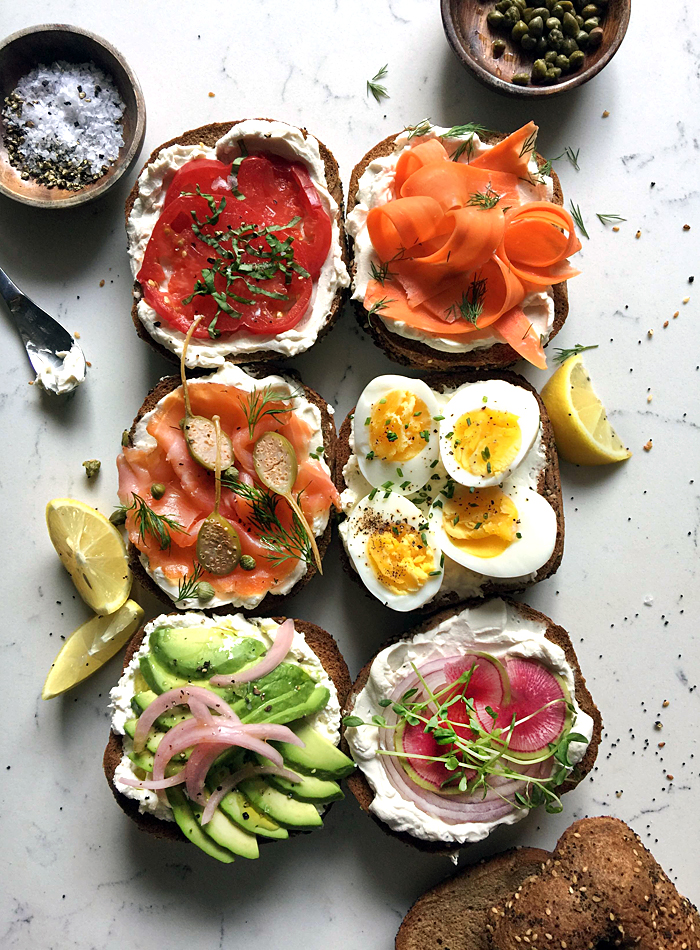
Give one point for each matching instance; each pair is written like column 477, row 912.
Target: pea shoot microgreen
column 149, row 522
column 561, row 355
column 374, row 87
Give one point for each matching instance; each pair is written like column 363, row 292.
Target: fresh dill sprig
column 282, row 543
column 609, row 218
column 578, row 219
column 530, row 144
column 467, row 132
column 150, row 522
column 188, row 586
column 257, row 405
column 377, row 308
column 373, row 85
column 417, row 131
column 572, row 156
column 381, row 273
column 484, row 199
column 562, row 355
column 471, row 305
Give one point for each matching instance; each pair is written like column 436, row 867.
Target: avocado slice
column 319, row 757
column 182, row 813
column 281, row 808
column 227, row 834
column 316, row 791
column 284, row 694
column 142, row 760
column 153, row 740
column 203, row 651
column 160, row 679
column 166, row 720
column 240, row 810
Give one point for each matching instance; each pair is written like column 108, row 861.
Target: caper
column 157, row 490
column 595, row 37
column 555, row 39
column 541, row 47
column 591, row 24
column 503, row 5
column 539, row 70
column 590, row 10
column 549, row 57
column 92, row 467
column 579, row 20
column 125, row 438
column 576, row 60
column 562, row 62
column 495, row 19
column 248, row 562
column 550, row 3
column 118, row 516
column 569, row 46
column 518, row 31
column 205, row 592
column 536, row 26
column 512, row 15
column 557, row 10
column 528, row 14
column 498, row 48
column 231, row 472
column 582, row 40
column 520, row 4
column 521, row 79
column 552, row 23
column 567, row 6
column 528, row 42
column 569, row 25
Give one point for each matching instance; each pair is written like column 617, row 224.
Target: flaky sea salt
column 63, row 123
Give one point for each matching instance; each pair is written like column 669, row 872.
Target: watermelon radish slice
column 485, row 687
column 533, row 686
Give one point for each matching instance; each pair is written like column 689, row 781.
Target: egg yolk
column 485, row 441
column 399, row 426
column 483, row 522
column 399, row 558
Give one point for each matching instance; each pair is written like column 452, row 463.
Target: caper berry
column 549, row 57
column 569, row 46
column 520, row 79
column 595, row 37
column 536, row 26
column 552, row 23
column 495, row 19
column 518, row 31
column 576, row 60
column 118, row 516
column 590, row 10
column 582, row 40
column 157, row 490
column 562, row 62
column 591, row 24
column 528, row 42
column 555, row 39
column 498, row 48
column 539, row 70
column 205, row 592
column 569, row 25
column 247, row 562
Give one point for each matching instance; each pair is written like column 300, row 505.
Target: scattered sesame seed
column 76, row 335
column 606, row 114
column 665, row 703
column 665, row 324
column 686, row 227
column 616, row 227
column 648, row 446
column 686, row 299
column 102, row 283
column 650, row 333
column 638, row 234
column 649, row 397
column 211, row 95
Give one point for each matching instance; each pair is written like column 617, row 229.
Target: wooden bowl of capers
column 535, row 48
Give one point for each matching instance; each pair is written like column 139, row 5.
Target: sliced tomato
column 268, row 192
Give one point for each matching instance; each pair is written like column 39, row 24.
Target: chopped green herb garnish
column 373, row 85
column 578, row 218
column 561, row 355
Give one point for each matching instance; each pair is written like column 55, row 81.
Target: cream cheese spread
column 231, row 375
column 326, row 721
column 376, row 188
column 64, row 378
column 495, row 628
column 259, row 135
column 458, row 580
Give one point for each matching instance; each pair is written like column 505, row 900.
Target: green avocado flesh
column 266, row 805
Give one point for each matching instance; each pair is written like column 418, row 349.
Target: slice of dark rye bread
column 420, row 355
column 360, row 787
column 325, row 648
column 549, row 484
column 271, row 602
column 599, row 888
column 210, row 135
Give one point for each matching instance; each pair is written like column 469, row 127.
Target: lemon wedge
column 581, row 428
column 89, row 648
column 92, row 551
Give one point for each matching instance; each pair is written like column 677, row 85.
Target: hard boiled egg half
column 506, row 531
column 488, row 429
column 396, row 433
column 394, row 550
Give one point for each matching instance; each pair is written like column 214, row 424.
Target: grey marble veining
column 76, row 872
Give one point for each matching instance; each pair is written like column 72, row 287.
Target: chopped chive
column 367, row 421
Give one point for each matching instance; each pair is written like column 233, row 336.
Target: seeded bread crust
column 600, row 887
column 210, row 135
column 360, row 787
column 549, row 483
column 325, row 648
column 271, row 602
column 420, row 355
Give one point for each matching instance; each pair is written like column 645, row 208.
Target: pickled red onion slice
column 198, row 699
column 248, row 771
column 272, row 659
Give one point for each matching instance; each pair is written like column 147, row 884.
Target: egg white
column 406, row 477
column 392, row 508
column 493, row 394
column 537, row 527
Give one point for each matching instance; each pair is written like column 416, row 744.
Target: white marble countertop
column 76, row 872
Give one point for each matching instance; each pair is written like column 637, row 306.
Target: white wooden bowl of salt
column 75, row 118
